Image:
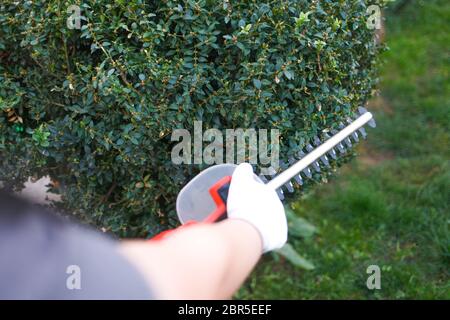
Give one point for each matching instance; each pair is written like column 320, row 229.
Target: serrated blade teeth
column 280, row 194
column 288, row 185
column 332, row 153
column 292, row 161
column 371, row 123
column 316, row 166
column 363, row 132
column 301, row 154
column 297, row 178
column 340, row 147
column 362, row 110
column 348, row 142
column 325, row 161
column 307, row 173
column 317, row 142
column 279, row 191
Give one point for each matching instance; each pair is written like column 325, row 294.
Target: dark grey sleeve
column 44, row 257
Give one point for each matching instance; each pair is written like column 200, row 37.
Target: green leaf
column 293, row 257
column 134, row 141
column 257, row 83
column 288, row 74
column 299, row 227
column 303, row 17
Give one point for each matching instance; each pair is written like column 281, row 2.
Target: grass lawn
column 390, row 206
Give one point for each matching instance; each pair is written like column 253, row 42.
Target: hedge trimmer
column 204, row 198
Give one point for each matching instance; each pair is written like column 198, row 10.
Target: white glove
column 251, row 200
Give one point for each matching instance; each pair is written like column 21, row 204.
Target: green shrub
column 95, row 107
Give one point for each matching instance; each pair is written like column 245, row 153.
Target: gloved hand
column 251, row 200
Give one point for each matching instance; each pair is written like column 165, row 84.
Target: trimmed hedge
column 95, row 108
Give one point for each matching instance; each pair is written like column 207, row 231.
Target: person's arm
column 208, row 261
column 198, row 262
column 212, row 261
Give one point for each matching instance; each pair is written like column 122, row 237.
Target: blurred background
column 390, row 206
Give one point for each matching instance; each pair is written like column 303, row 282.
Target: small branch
column 107, row 195
column 67, row 56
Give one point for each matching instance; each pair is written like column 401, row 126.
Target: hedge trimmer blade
column 311, row 159
column 204, row 197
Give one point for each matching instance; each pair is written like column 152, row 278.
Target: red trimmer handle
column 219, row 193
column 165, row 233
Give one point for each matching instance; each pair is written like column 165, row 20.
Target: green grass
column 390, row 206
